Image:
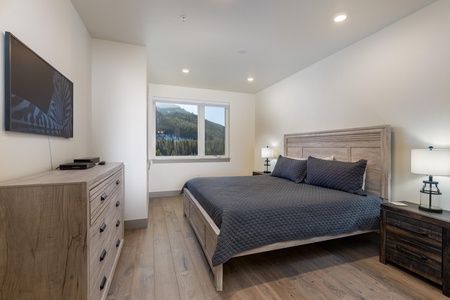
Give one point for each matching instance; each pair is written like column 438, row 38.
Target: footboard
column 206, row 231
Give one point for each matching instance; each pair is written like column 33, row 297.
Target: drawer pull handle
column 117, row 223
column 118, row 243
column 103, row 255
column 103, row 227
column 103, row 283
column 419, row 256
column 117, row 203
column 422, row 233
column 103, row 197
column 117, row 181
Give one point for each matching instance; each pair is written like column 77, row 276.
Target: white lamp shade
column 267, row 152
column 430, row 162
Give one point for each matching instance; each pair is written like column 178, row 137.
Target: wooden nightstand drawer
column 417, row 240
column 413, row 231
column 414, row 245
column 417, row 258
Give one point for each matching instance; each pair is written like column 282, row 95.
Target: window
column 190, row 130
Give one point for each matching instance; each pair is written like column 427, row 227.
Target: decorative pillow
column 338, row 175
column 291, row 169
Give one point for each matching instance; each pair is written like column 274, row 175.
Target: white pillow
column 305, row 158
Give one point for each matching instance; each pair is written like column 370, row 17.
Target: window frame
column 200, row 157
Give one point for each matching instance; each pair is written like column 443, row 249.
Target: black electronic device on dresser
column 94, row 160
column 77, row 166
column 82, row 163
column 417, row 240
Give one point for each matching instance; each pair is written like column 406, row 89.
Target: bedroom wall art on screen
column 38, row 98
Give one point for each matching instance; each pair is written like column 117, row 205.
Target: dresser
column 61, row 233
column 417, row 240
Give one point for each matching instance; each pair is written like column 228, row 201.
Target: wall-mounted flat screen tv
column 38, row 98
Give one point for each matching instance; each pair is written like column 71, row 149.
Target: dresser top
column 88, row 176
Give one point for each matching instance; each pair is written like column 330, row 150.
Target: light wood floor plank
column 188, row 281
column 123, row 277
column 165, row 261
column 144, row 274
column 199, row 262
column 166, row 283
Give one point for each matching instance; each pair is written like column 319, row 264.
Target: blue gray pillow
column 291, row 169
column 338, row 175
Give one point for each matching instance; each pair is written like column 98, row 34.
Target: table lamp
column 430, row 162
column 267, row 153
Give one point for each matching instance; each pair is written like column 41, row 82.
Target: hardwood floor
column 164, row 261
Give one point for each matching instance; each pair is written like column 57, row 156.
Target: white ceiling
column 281, row 37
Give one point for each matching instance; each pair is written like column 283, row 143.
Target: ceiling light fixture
column 242, row 51
column 340, row 17
column 250, row 79
column 185, row 71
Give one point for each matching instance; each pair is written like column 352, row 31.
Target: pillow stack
column 338, row 175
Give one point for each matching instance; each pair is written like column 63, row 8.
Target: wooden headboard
column 370, row 143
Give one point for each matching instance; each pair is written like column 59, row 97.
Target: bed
column 236, row 216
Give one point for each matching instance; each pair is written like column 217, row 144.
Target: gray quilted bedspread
column 254, row 211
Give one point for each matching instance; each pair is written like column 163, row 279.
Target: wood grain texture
column 42, row 253
column 47, row 247
column 346, row 268
column 417, row 241
column 370, row 143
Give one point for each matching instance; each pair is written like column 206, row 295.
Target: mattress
column 254, row 211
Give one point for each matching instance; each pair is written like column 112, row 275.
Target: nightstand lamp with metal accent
column 267, row 153
column 431, row 162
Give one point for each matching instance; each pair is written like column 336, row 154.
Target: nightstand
column 417, row 240
column 260, row 173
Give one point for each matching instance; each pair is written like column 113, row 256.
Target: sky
column 212, row 113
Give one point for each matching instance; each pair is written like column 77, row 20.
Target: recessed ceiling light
column 242, row 51
column 250, row 79
column 340, row 17
column 185, row 71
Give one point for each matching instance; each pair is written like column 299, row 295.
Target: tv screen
column 38, row 98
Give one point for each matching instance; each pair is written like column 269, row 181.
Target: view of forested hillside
column 176, row 133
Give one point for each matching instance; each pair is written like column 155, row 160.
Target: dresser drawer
column 104, row 248
column 99, row 283
column 414, row 245
column 118, row 235
column 102, row 232
column 101, row 194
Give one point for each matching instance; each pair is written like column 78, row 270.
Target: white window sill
column 176, row 160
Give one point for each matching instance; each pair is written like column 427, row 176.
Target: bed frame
column 370, row 143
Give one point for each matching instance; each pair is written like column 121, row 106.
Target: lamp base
column 433, row 209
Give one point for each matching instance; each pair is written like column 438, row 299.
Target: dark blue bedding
column 254, row 211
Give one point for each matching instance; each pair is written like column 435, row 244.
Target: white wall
column 119, row 116
column 171, row 176
column 53, row 29
column 398, row 76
